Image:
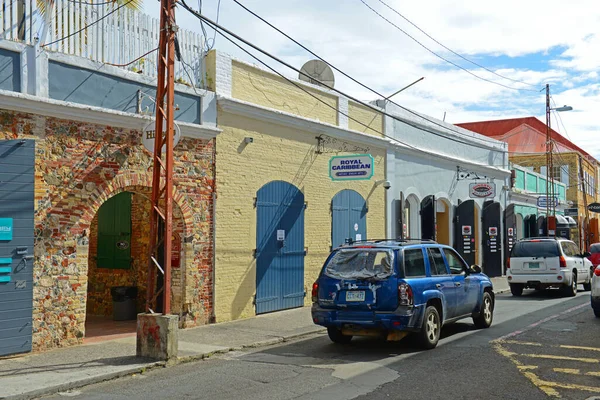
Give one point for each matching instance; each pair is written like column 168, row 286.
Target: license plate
column 534, row 265
column 355, row 296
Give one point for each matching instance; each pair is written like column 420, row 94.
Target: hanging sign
column 482, row 190
column 351, row 168
column 6, row 228
column 594, row 207
column 149, row 134
column 543, row 201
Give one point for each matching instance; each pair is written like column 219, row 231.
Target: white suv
column 540, row 263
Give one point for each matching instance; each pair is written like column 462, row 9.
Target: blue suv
column 393, row 287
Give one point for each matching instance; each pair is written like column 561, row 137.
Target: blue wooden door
column 279, row 247
column 349, row 217
column 16, row 245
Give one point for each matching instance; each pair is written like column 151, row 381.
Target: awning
column 561, row 220
column 571, row 221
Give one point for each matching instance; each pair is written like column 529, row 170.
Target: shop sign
column 149, row 134
column 466, row 229
column 6, row 228
column 543, row 201
column 482, row 190
column 493, row 231
column 594, row 207
column 571, row 212
column 351, row 168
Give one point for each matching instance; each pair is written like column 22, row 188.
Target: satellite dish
column 318, row 73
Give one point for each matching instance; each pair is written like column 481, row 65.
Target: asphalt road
column 540, row 345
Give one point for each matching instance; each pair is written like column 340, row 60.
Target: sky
column 536, row 42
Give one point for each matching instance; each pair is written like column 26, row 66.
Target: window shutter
column 564, row 174
column 543, row 170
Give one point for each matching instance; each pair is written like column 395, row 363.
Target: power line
column 92, row 4
column 441, row 57
column 131, row 62
column 91, row 24
column 347, row 75
column 221, row 31
column 449, row 49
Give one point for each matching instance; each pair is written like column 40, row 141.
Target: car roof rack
column 542, row 237
column 395, row 240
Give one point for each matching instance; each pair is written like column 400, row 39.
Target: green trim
column 5, row 260
column 5, row 270
column 353, row 179
column 4, row 279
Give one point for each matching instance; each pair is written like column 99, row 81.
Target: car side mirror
column 587, row 254
column 476, row 269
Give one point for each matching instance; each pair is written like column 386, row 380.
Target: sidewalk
column 28, row 376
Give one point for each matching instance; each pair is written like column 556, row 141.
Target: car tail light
column 563, row 262
column 597, row 271
column 405, row 295
column 508, row 263
column 315, row 292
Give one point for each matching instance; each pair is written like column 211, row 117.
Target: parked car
column 391, row 288
column 594, row 256
column 540, row 263
column 595, row 295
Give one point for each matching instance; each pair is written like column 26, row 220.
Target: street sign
column 148, row 135
column 594, row 207
column 482, row 190
column 543, row 201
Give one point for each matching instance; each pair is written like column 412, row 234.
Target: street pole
column 162, row 172
column 586, row 221
column 549, row 186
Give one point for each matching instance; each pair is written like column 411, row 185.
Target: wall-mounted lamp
column 248, row 140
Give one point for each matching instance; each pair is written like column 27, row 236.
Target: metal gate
column 510, row 230
column 464, row 231
column 491, row 239
column 279, row 247
column 348, row 217
column 428, row 218
column 17, row 159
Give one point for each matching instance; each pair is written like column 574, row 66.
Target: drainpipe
column 213, row 317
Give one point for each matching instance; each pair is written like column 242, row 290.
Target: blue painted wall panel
column 349, row 211
column 279, row 264
column 16, row 295
column 10, row 70
column 83, row 86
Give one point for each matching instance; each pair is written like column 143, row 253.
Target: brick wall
column 78, row 167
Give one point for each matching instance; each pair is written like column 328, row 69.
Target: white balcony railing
column 117, row 38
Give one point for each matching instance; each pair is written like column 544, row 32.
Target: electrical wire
column 347, row 75
column 131, row 62
column 221, row 29
column 450, row 50
column 183, row 63
column 441, row 57
column 92, row 4
column 91, row 24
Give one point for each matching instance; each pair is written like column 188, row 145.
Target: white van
column 539, row 263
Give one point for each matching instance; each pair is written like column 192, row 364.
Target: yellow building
column 278, row 211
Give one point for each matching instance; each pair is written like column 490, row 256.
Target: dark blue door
column 349, row 217
column 279, row 247
column 16, row 245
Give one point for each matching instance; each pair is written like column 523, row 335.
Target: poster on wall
column 510, row 232
column 466, row 229
column 493, row 231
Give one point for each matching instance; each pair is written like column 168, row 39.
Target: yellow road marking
column 593, row 373
column 526, row 367
column 571, row 371
column 542, row 385
column 521, row 343
column 553, row 357
column 564, row 346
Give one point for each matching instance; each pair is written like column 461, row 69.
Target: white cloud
column 350, row 36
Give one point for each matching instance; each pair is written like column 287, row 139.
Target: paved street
column 519, row 357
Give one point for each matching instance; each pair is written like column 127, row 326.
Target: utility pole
column 161, row 224
column 586, row 221
column 549, row 174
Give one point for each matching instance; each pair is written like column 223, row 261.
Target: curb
column 83, row 382
column 153, row 365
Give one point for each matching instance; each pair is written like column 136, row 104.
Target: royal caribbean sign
column 348, row 168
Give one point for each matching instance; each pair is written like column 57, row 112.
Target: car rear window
column 361, row 264
column 595, row 248
column 543, row 248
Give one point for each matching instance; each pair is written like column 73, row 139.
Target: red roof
column 523, row 135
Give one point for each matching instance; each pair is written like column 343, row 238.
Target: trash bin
column 124, row 302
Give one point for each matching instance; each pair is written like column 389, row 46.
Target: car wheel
column 571, row 289
column 516, row 289
column 337, row 336
column 430, row 331
column 486, row 314
column 588, row 286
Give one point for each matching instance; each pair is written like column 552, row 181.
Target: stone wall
column 78, row 167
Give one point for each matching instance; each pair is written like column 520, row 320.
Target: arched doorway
column 348, row 217
column 279, row 247
column 465, row 231
column 443, row 219
column 411, row 217
column 118, row 257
